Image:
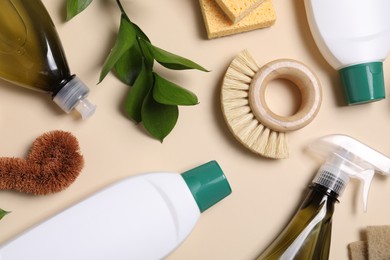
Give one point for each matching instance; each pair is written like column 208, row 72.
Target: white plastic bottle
column 141, row 217
column 354, row 37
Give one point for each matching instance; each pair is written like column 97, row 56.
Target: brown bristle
column 53, row 164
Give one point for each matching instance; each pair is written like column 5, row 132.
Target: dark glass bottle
column 31, row 55
column 308, row 234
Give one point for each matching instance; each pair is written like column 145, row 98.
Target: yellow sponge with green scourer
column 218, row 24
column 238, row 9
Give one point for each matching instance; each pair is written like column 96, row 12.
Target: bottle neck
column 330, row 175
column 64, row 81
column 318, row 191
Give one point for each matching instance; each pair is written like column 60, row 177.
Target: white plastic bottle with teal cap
column 308, row 234
column 31, row 56
column 354, row 37
column 141, row 217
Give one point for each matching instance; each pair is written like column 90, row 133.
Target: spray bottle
column 31, row 55
column 308, row 235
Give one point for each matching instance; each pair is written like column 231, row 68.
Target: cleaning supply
column 53, row 164
column 31, row 56
column 218, row 25
column 358, row 250
column 377, row 246
column 308, row 234
column 354, row 37
column 245, row 108
column 141, row 217
column 378, row 238
column 238, row 9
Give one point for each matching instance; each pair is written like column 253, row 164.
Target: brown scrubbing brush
column 53, row 164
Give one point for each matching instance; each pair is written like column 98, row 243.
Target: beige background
column 265, row 192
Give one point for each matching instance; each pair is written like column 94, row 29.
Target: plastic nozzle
column 348, row 158
column 85, row 108
column 73, row 96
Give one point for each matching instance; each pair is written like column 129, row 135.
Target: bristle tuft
column 232, row 104
column 235, row 114
column 262, row 141
column 233, row 74
column 229, row 83
column 245, row 58
column 246, row 131
column 253, row 137
column 231, row 94
column 270, row 147
column 238, row 123
column 281, row 146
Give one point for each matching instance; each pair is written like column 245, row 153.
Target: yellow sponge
column 217, row 23
column 238, row 9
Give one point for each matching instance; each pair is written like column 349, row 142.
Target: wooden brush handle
column 307, row 83
column 52, row 165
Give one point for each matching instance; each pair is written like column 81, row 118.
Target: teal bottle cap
column 363, row 82
column 208, row 184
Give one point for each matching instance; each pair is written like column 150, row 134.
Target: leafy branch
column 152, row 99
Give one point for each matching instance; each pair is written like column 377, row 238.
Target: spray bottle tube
column 308, row 235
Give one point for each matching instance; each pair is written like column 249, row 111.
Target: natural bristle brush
column 247, row 113
column 53, row 163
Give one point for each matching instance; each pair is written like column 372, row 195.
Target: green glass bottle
column 308, row 234
column 31, row 55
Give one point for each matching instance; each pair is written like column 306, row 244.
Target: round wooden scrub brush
column 53, row 163
column 247, row 113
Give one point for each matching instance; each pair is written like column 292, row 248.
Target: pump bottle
column 308, row 234
column 31, row 56
column 142, row 217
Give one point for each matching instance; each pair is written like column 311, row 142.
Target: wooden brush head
column 54, row 162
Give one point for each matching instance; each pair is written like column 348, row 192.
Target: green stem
column 121, row 7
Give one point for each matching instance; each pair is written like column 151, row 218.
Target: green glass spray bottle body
column 308, row 234
column 32, row 56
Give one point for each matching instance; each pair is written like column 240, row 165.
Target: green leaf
column 138, row 93
column 3, row 213
column 140, row 33
column 128, row 66
column 158, row 119
column 124, row 41
column 170, row 60
column 168, row 93
column 74, row 7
